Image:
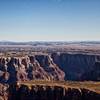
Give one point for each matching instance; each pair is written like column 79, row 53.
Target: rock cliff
column 78, row 66
column 55, row 66
column 14, row 69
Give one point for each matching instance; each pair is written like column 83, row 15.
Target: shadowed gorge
column 78, row 66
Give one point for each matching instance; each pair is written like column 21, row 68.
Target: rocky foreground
column 44, row 90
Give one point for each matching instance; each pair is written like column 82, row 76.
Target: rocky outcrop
column 50, row 67
column 78, row 66
column 14, row 69
column 39, row 92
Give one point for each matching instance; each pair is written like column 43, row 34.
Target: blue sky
column 49, row 20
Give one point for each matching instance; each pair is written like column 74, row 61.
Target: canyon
column 50, row 71
column 57, row 66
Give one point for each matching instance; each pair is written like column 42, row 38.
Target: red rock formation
column 58, row 66
column 29, row 68
column 50, row 67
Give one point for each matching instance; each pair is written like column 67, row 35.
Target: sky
column 49, row 20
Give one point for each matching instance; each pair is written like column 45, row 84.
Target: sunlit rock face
column 78, row 66
column 14, row 69
column 50, row 67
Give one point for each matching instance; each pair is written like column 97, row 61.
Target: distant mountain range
column 48, row 42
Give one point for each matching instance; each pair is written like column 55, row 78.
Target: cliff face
column 29, row 68
column 46, row 62
column 57, row 66
column 39, row 92
column 93, row 74
column 78, row 66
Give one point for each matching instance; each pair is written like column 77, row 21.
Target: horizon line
column 52, row 41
